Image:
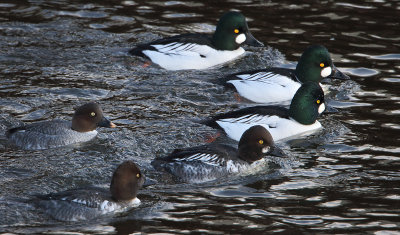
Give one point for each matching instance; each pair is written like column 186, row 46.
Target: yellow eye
column 137, row 175
column 92, row 114
column 236, row 30
column 321, row 65
column 261, row 141
column 318, row 101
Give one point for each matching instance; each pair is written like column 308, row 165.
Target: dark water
column 56, row 55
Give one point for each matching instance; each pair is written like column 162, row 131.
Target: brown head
column 88, row 117
column 256, row 143
column 126, row 181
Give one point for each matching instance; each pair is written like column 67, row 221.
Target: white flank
column 233, row 168
column 134, row 202
column 104, row 205
column 280, row 128
column 321, row 108
column 265, row 87
column 76, row 137
column 326, row 72
column 179, row 56
column 107, row 206
column 240, row 38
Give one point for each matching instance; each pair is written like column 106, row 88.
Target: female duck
column 201, row 51
column 307, row 105
column 92, row 202
column 213, row 161
column 275, row 85
column 57, row 133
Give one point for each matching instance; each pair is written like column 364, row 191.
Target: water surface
column 56, row 55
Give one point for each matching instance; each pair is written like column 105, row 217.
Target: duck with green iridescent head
column 278, row 85
column 201, row 51
column 301, row 117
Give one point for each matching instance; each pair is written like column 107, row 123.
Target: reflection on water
column 56, row 55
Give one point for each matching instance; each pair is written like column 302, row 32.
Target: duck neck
column 303, row 112
column 248, row 154
column 221, row 42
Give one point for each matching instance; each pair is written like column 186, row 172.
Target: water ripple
column 56, row 55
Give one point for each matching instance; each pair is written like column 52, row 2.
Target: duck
column 278, row 85
column 216, row 160
column 58, row 133
column 91, row 202
column 201, row 51
column 301, row 117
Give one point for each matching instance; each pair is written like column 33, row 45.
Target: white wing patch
column 179, row 56
column 212, row 159
column 186, row 49
column 235, row 127
column 265, row 87
column 266, row 77
column 79, row 201
column 254, row 119
column 280, row 128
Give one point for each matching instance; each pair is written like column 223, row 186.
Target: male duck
column 301, row 117
column 275, row 85
column 201, row 51
column 213, row 161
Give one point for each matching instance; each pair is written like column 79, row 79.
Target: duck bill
column 337, row 74
column 277, row 152
column 252, row 41
column 106, row 123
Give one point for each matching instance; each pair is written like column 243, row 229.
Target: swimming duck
column 201, row 51
column 277, row 85
column 57, row 133
column 307, row 104
column 91, row 202
column 213, row 161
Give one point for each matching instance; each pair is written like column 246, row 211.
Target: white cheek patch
column 326, row 72
column 265, row 150
column 240, row 38
column 321, row 108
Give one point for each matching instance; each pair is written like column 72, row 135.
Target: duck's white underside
column 280, row 128
column 180, row 56
column 265, row 87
